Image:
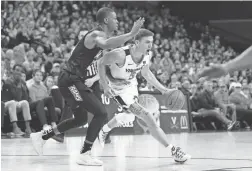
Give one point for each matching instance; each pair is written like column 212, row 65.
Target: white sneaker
column 178, row 155
column 102, row 137
column 37, row 142
column 88, row 160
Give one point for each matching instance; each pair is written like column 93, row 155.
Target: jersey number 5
column 132, row 75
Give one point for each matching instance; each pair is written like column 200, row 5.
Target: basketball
column 174, row 100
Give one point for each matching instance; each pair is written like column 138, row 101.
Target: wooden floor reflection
column 210, row 151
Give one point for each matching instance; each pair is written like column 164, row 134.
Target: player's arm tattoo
column 137, row 109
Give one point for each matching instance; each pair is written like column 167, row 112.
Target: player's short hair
column 102, row 13
column 143, row 33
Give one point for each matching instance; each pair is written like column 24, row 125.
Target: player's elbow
column 106, row 45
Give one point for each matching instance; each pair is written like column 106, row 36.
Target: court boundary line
column 228, row 168
column 139, row 157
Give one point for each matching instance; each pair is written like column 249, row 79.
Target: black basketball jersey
column 81, row 58
column 92, row 69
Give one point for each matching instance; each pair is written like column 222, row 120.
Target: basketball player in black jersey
column 80, row 97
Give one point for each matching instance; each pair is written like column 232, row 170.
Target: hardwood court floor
column 220, row 151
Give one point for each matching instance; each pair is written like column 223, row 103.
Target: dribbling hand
column 213, row 71
column 169, row 91
column 137, row 25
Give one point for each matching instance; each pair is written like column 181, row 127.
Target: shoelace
column 177, row 152
column 47, row 131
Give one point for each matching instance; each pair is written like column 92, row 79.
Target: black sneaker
column 59, row 138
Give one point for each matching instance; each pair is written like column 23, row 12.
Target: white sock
column 56, row 131
column 46, row 127
column 106, row 128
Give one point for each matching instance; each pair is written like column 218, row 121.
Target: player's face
column 112, row 21
column 145, row 44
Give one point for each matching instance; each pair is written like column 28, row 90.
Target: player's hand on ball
column 89, row 82
column 137, row 25
column 213, row 71
column 169, row 91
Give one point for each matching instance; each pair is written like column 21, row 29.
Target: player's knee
column 119, row 116
column 124, row 117
column 80, row 118
column 80, row 122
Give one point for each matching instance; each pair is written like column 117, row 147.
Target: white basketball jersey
column 130, row 69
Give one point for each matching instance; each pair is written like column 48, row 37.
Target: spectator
column 49, row 83
column 186, row 88
column 239, row 98
column 243, row 105
column 28, row 63
column 38, row 92
column 204, row 105
column 12, row 91
column 221, row 94
column 222, row 98
column 167, row 64
column 55, row 69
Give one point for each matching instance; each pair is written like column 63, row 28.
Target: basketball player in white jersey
column 243, row 61
column 124, row 64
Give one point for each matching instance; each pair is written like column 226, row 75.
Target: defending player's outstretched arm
column 117, row 41
column 243, row 61
column 150, row 78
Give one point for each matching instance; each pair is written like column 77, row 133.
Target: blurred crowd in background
column 38, row 37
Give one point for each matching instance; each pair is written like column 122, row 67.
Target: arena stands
column 41, row 35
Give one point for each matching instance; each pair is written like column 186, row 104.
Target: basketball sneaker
column 102, row 137
column 178, row 155
column 37, row 142
column 88, row 160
